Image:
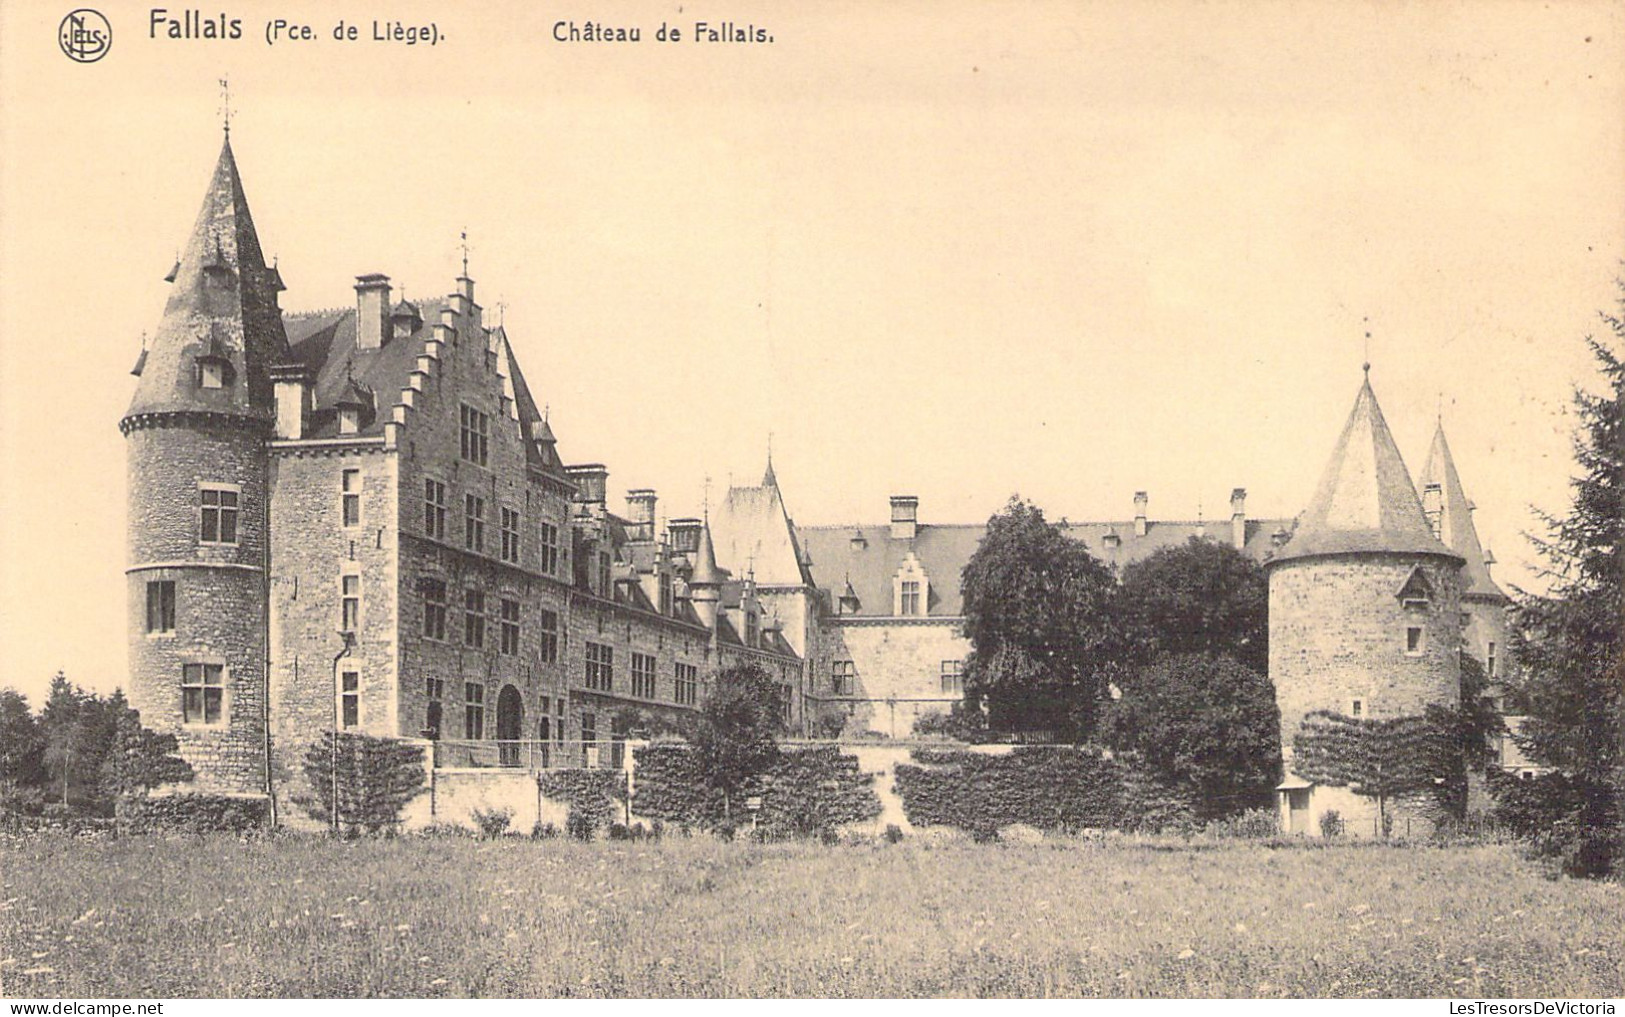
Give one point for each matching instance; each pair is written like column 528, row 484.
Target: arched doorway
column 510, row 725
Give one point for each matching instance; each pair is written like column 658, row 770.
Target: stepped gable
column 221, row 316
column 1456, row 527
column 1365, row 501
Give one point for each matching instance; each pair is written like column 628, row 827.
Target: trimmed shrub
column 1050, row 788
column 804, row 793
column 1331, row 824
column 193, row 812
column 589, row 794
column 492, row 822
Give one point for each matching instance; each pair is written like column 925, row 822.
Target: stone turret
column 1364, row 606
column 1484, row 604
column 195, row 439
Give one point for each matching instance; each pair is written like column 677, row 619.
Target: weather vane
column 225, row 104
column 1366, row 367
column 464, row 246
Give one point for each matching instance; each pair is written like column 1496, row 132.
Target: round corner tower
column 1364, row 605
column 195, row 439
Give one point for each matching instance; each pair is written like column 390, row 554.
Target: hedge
column 195, row 813
column 590, row 794
column 1052, row 788
column 807, row 792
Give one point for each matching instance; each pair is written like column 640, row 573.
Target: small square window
column 1414, row 641
column 203, row 693
column 211, row 374
column 1356, row 708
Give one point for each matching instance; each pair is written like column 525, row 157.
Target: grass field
column 193, row 916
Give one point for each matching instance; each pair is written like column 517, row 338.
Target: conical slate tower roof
column 223, row 308
column 1365, row 501
column 705, row 571
column 1456, row 519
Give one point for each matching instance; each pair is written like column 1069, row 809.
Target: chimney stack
column 590, row 479
column 292, row 387
column 1141, row 500
column 1433, row 507
column 1238, row 518
column 371, row 311
column 905, row 512
column 640, row 515
column 684, row 535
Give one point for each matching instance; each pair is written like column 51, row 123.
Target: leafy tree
column 734, row 739
column 1572, row 671
column 372, row 778
column 1038, row 613
column 22, row 747
column 1205, row 725
column 1199, row 597
column 137, row 760
column 75, row 727
column 1379, row 759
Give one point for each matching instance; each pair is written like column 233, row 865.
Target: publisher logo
column 85, row 35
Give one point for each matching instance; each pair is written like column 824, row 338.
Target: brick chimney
column 1238, row 518
column 371, row 311
column 1433, row 507
column 1141, row 500
column 640, row 515
column 905, row 513
column 684, row 535
column 590, row 479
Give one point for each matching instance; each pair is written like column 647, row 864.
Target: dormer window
column 911, row 589
column 1417, row 592
column 213, row 372
column 349, row 419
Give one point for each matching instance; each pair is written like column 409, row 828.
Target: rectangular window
column 220, row 505
column 473, row 711
column 1413, row 640
column 687, row 692
column 550, row 548
column 547, row 636
column 435, row 691
column 474, row 619
column 600, row 667
column 604, row 588
column 1356, row 708
column 953, row 677
column 510, row 626
column 643, row 675
column 351, row 484
column 752, row 629
column 843, row 677
column 476, row 431
column 510, row 535
column 203, row 693
column 1489, row 662
column 665, row 593
column 434, row 509
column 474, row 522
column 161, row 606
column 909, row 600
column 350, row 699
column 350, row 603
column 434, row 609
column 589, row 738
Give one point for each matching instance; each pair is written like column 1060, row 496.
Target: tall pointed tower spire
column 1445, row 501
column 221, row 328
column 1365, row 500
column 199, row 469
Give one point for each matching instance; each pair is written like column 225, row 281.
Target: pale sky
column 951, row 250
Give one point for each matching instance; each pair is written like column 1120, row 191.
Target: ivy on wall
column 805, row 793
column 590, row 796
column 1052, row 788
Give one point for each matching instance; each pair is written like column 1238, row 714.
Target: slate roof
column 222, row 304
column 1365, row 501
column 1456, row 527
column 867, row 558
column 754, row 534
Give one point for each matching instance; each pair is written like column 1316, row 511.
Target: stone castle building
column 1374, row 600
column 358, row 519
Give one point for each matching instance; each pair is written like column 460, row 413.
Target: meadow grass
column 304, row 916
